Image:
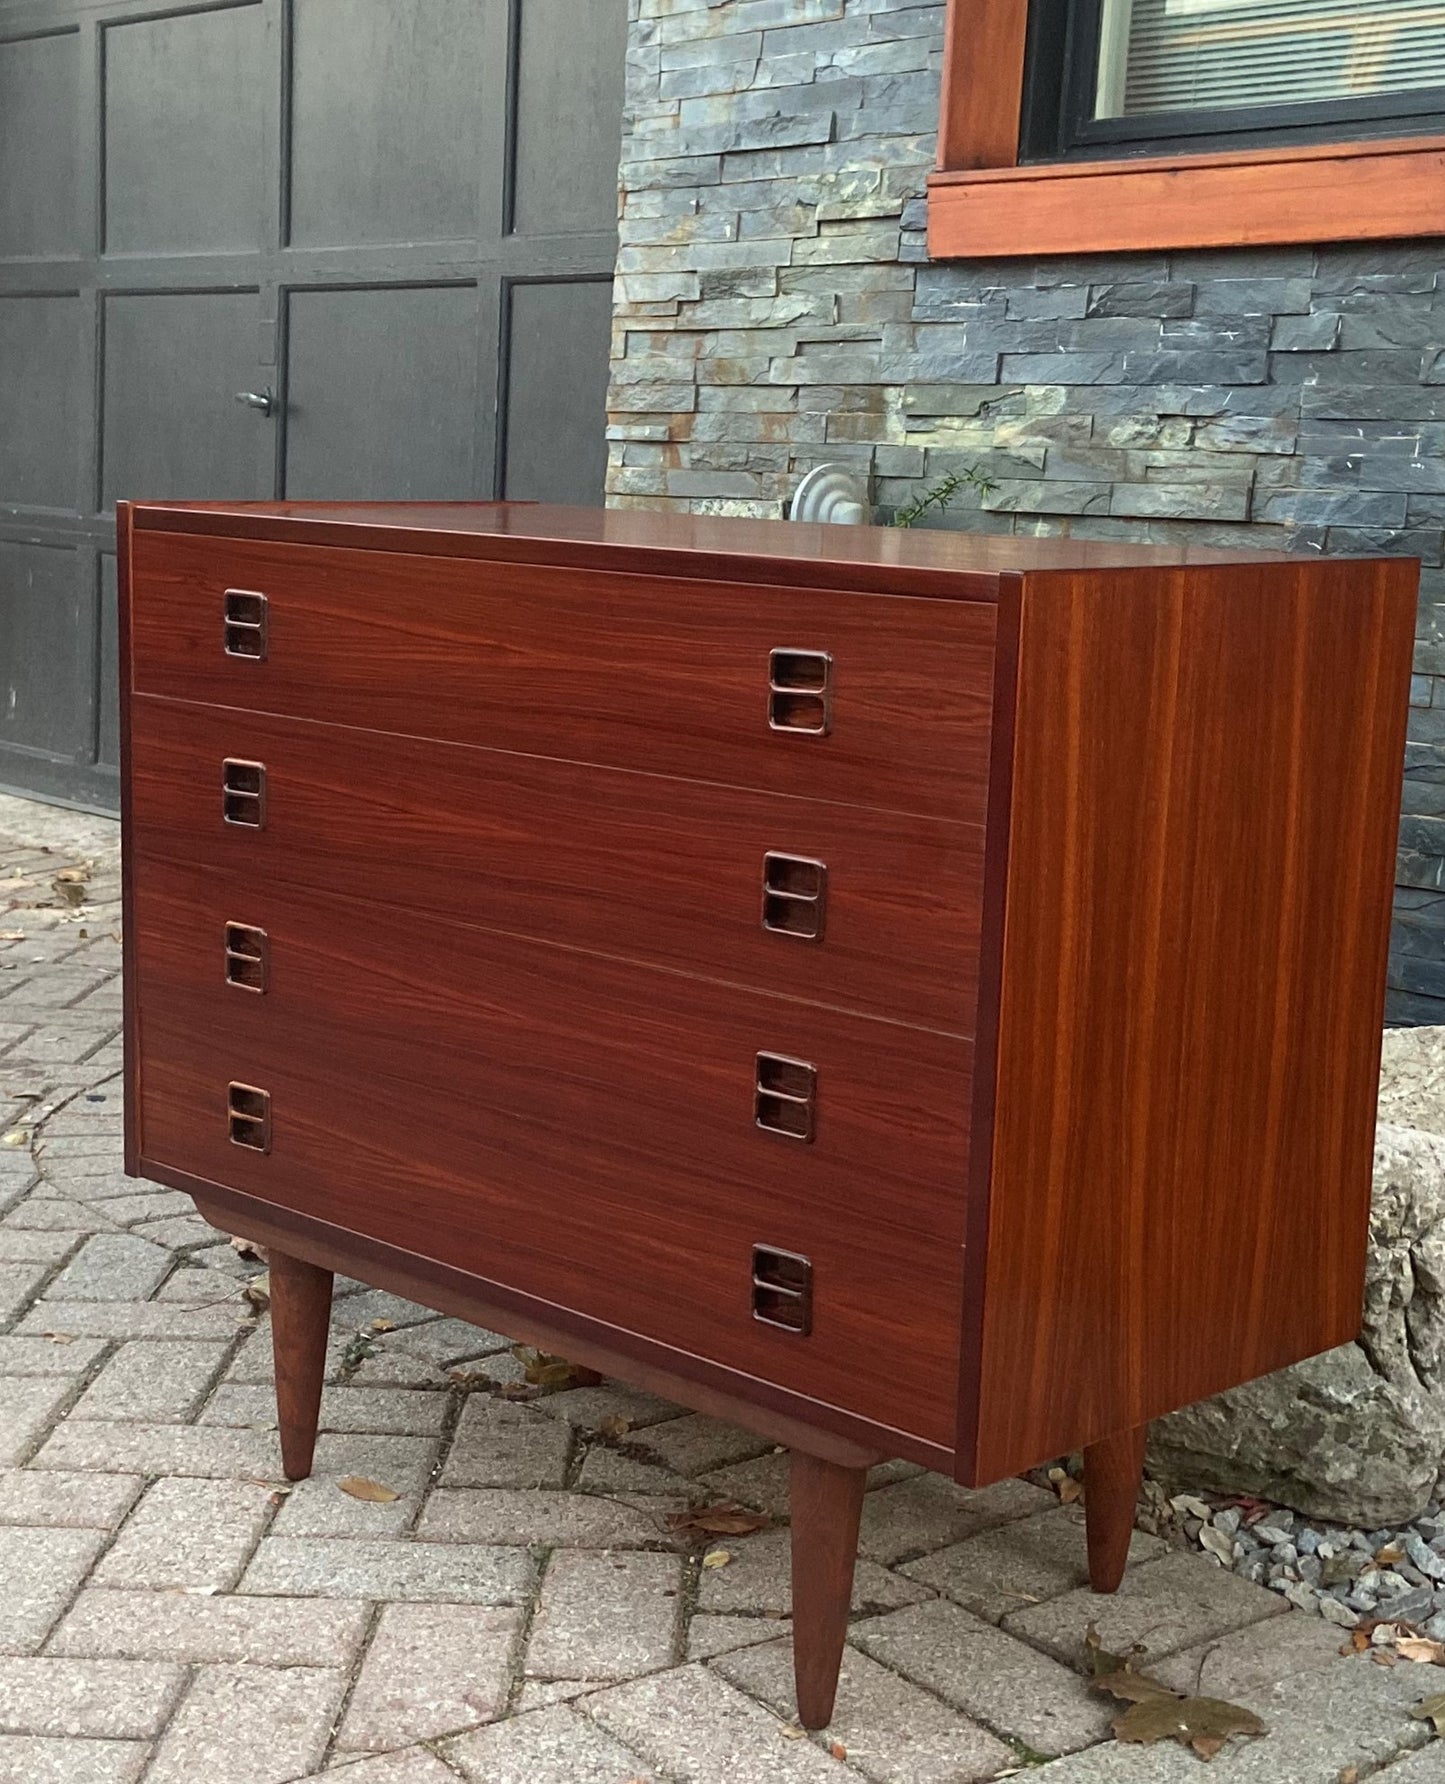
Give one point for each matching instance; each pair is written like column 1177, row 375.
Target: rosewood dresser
column 913, row 994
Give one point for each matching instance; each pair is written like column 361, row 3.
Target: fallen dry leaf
column 69, row 885
column 359, row 1487
column 614, row 1425
column 716, row 1558
column 1421, row 1648
column 1350, row 1775
column 258, row 1291
column 790, row 1731
column 249, row 1248
column 383, row 1325
column 1101, row 1662
column 1389, row 1555
column 724, row 1519
column 1203, row 1723
column 16, row 1137
column 838, row 1750
column 469, row 1378
column 61, row 1337
column 12, row 935
column 1432, row 1711
column 545, row 1371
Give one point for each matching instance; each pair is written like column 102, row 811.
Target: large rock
column 1357, row 1434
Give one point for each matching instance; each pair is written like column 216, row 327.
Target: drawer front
column 880, row 700
column 864, row 909
column 573, row 1127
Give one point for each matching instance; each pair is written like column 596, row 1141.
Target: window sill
column 1322, row 192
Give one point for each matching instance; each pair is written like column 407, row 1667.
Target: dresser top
column 964, row 566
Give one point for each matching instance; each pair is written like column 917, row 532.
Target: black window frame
column 1061, row 76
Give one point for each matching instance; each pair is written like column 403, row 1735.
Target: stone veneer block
column 152, row 1382
column 113, row 1700
column 44, row 1497
column 36, row 1759
column 27, row 1405
column 442, row 1573
column 499, row 1444
column 106, row 1624
column 188, row 1535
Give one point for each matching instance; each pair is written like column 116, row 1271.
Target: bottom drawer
column 574, row 1127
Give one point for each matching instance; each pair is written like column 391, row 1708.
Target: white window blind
column 1217, row 55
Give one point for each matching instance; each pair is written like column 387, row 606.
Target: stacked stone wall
column 776, row 309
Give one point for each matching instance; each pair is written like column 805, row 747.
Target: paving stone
column 1354, row 1716
column 21, row 1246
column 1425, row 1767
column 551, row 1746
column 41, row 1569
column 566, row 1520
column 396, row 1369
column 382, row 1410
column 156, row 1204
column 1173, row 1603
column 609, row 1470
column 1003, row 1683
column 113, row 1267
column 1249, row 1660
column 758, row 1579
column 443, row 1341
column 100, row 1699
column 132, row 1319
column 46, row 1356
column 1018, row 1564
column 589, row 1407
column 45, row 1497
column 154, row 1382
column 188, row 1534
column 929, row 1512
column 535, row 1694
column 34, row 1759
column 693, row 1444
column 360, row 1309
column 499, row 1444
column 39, row 1212
column 318, row 1507
column 27, row 1405
column 708, row 1635
column 403, row 1463
column 431, row 1669
column 249, row 1725
column 176, row 1626
column 605, row 1616
column 254, row 1363
column 893, row 1732
column 697, row 1729
column 443, row 1573
column 763, row 1480
column 183, row 1232
column 416, row 1767
column 18, row 1282
column 163, row 1449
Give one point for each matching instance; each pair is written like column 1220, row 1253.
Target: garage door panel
column 38, row 77
column 47, row 665
column 40, row 358
column 183, row 132
column 392, row 106
column 571, row 62
column 382, row 393
column 173, row 428
column 557, row 356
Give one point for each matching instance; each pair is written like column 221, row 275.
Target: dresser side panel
column 130, row 978
column 1202, row 829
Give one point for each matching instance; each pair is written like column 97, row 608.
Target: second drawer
column 849, row 906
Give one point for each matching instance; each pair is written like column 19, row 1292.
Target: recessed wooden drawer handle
column 245, row 624
column 795, row 891
column 248, row 957
column 800, row 691
column 243, row 793
column 784, row 1096
column 248, row 1112
column 782, row 1289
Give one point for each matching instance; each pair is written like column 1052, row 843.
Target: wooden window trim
column 982, row 204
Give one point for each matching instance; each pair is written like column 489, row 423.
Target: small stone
column 1335, row 1612
column 1307, row 1541
column 1424, row 1557
column 1409, row 1607
column 1274, row 1531
column 1228, row 1521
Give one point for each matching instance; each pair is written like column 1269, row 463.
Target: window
column 1106, row 76
column 1072, row 125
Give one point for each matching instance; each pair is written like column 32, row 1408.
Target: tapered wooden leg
column 826, row 1503
column 1113, row 1474
column 300, row 1321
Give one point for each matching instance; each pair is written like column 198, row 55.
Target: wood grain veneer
column 1081, row 1070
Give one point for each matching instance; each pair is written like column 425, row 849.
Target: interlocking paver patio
column 175, row 1612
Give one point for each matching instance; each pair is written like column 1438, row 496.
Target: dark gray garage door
column 391, row 222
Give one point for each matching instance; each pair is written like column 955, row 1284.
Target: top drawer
column 866, row 699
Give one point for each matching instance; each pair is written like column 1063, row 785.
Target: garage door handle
column 257, row 399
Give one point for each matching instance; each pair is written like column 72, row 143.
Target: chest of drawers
column 916, row 995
